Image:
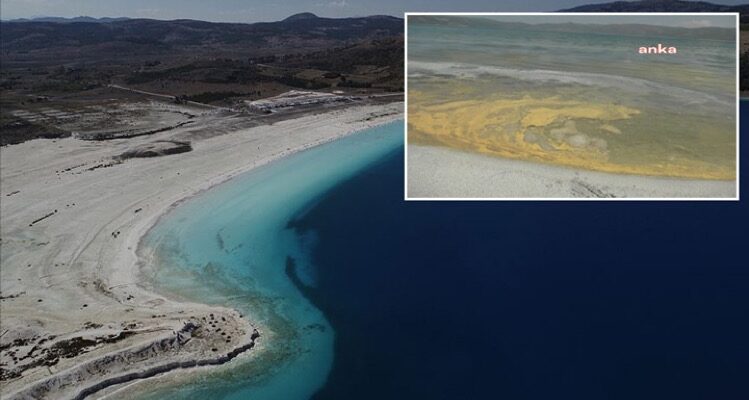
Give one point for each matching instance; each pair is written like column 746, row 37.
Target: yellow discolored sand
column 545, row 116
column 549, row 129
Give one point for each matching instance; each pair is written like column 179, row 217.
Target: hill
column 66, row 66
column 63, row 20
column 198, row 55
column 156, row 36
column 662, row 6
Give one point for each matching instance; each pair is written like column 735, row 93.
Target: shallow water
column 229, row 246
column 581, row 99
column 452, row 300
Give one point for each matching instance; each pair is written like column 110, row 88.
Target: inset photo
column 571, row 106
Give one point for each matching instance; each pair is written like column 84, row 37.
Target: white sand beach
column 438, row 172
column 76, row 316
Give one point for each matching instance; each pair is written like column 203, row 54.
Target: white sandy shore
column 437, row 172
column 75, row 273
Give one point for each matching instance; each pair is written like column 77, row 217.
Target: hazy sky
column 269, row 10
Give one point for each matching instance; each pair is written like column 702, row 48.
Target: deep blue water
column 529, row 300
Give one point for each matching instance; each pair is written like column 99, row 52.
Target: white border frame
column 405, row 125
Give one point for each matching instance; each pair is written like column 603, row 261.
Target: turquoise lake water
column 228, row 246
column 457, row 300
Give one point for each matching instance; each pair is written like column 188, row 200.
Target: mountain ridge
column 662, row 6
column 295, row 31
column 82, row 18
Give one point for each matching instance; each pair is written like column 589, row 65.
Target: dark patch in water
column 527, row 300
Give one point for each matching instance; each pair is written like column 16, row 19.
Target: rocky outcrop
column 160, row 369
column 156, row 149
column 125, row 133
column 188, row 347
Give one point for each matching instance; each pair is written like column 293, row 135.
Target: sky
column 270, row 10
